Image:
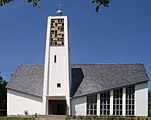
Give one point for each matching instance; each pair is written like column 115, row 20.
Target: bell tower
column 56, row 87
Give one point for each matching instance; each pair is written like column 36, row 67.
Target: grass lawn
column 13, row 118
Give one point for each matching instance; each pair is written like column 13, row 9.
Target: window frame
column 92, row 104
column 105, row 103
column 130, row 100
column 118, row 102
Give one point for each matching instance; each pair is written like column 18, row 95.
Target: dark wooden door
column 60, row 109
column 57, row 107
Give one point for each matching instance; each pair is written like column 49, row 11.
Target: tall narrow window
column 105, row 103
column 92, row 105
column 130, row 99
column 55, row 58
column 117, row 101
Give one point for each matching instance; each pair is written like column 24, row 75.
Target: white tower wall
column 57, row 72
column 57, row 62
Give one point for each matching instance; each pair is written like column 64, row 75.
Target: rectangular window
column 130, row 99
column 117, row 101
column 105, row 103
column 55, row 58
column 58, row 85
column 92, row 105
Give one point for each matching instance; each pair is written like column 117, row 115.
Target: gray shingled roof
column 27, row 79
column 86, row 78
column 101, row 77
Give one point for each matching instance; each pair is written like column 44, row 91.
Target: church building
column 58, row 87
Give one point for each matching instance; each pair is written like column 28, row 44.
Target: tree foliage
column 149, row 103
column 3, row 94
column 105, row 3
column 34, row 2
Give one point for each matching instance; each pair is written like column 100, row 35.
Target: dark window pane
column 108, row 112
column 120, row 107
column 104, row 112
column 117, row 112
column 132, row 112
column 120, row 112
column 95, row 112
column 91, row 112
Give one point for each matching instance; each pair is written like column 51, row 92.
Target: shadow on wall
column 77, row 78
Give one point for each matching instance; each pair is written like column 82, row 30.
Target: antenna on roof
column 59, row 12
column 59, row 5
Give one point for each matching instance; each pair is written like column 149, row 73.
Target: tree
column 34, row 2
column 3, row 94
column 149, row 103
column 105, row 3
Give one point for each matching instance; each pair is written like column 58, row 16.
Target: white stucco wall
column 18, row 102
column 78, row 106
column 58, row 72
column 141, row 99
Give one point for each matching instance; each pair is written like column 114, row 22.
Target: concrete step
column 51, row 117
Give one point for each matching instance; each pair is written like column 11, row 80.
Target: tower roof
column 59, row 13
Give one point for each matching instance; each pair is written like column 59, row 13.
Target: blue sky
column 118, row 34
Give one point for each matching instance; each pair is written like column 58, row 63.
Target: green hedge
column 13, row 118
column 106, row 118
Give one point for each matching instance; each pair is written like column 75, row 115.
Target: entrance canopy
column 56, row 97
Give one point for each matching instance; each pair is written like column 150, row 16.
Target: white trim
column 46, row 68
column 124, row 102
column 85, row 104
column 111, row 102
column 98, row 104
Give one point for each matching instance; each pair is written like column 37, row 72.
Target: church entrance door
column 57, row 107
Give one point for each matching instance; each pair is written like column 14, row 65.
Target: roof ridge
column 111, row 64
column 29, row 64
